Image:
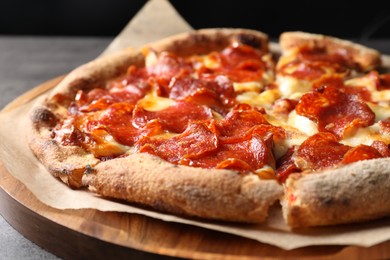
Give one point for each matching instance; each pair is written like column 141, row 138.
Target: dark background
column 352, row 19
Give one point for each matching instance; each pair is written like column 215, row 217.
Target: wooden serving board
column 90, row 233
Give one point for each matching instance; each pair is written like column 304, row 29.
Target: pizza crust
column 206, row 40
column 354, row 193
column 207, row 193
column 366, row 57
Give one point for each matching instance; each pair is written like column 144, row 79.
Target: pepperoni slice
column 169, row 65
column 240, row 63
column 246, row 155
column 284, row 106
column 384, row 82
column 240, row 119
column 335, row 111
column 216, row 92
column 129, row 88
column 313, row 63
column 194, row 90
column 336, row 59
column 360, row 92
column 304, row 70
column 320, row 151
column 381, row 81
column 286, row 165
column 385, row 125
column 174, row 118
column 234, row 54
column 359, row 153
column 382, row 148
column 196, row 140
column 117, row 120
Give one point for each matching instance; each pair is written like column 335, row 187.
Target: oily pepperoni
column 360, row 92
column 129, row 89
column 305, row 70
column 286, row 165
column 236, row 53
column 320, row 151
column 381, row 81
column 313, row 63
column 169, row 65
column 174, row 118
column 322, row 55
column 384, row 82
column 196, row 140
column 246, row 155
column 382, row 148
column 117, row 120
column 240, row 63
column 215, row 92
column 240, row 119
column 95, row 100
column 251, row 70
column 194, row 90
column 224, row 89
column 335, row 111
column 359, row 153
column 67, row 132
column 284, row 106
column 385, row 125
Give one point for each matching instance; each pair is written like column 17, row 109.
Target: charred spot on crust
column 89, row 169
column 328, row 201
column 250, row 40
column 43, row 116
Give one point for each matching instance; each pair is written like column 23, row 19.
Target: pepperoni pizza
column 213, row 124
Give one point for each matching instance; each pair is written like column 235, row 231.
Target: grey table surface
column 25, row 62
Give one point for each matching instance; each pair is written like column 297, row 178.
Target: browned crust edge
column 205, row 40
column 354, row 193
column 207, row 193
column 215, row 194
column 366, row 57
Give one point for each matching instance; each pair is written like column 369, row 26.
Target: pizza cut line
column 211, row 124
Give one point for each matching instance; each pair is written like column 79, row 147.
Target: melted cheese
column 210, row 63
column 381, row 96
column 152, row 102
column 302, row 123
column 105, row 144
column 293, row 88
column 362, row 81
column 150, row 59
column 265, row 98
column 367, row 136
column 248, row 86
column 266, row 172
column 381, row 112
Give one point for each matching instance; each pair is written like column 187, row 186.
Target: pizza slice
column 307, row 57
column 162, row 127
column 342, row 159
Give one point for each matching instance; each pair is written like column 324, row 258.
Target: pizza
column 212, row 124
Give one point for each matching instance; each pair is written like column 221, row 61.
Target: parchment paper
column 21, row 163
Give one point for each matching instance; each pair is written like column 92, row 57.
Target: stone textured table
column 28, row 61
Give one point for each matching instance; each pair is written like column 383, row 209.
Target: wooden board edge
column 33, row 93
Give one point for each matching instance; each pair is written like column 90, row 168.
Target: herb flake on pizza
column 212, row 124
